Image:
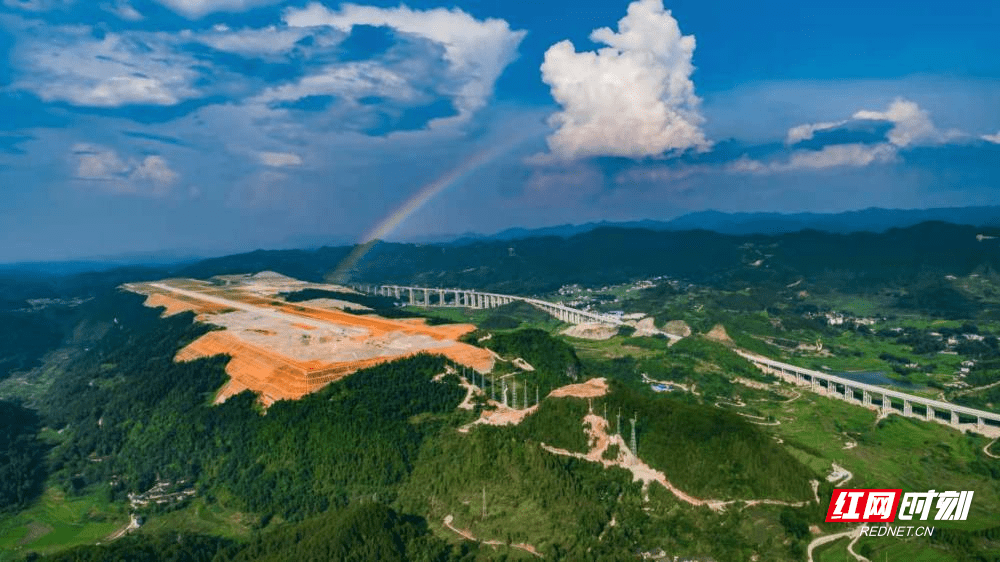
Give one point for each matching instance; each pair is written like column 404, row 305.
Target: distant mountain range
column 867, row 220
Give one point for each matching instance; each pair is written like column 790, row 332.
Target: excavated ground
column 284, row 350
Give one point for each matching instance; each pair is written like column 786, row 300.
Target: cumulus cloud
column 476, row 51
column 198, row 8
column 910, row 122
column 995, row 139
column 279, row 159
column 911, row 125
column 632, row 98
column 852, row 155
column 103, row 167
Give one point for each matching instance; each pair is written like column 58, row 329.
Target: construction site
column 282, row 350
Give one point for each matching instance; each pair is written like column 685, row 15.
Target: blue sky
column 212, row 126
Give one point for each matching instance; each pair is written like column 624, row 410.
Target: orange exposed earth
column 590, row 389
column 283, row 350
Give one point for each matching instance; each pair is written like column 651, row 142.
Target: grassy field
column 57, row 521
column 896, row 453
column 203, row 518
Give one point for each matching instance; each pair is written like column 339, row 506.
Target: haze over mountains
column 865, row 220
column 872, row 220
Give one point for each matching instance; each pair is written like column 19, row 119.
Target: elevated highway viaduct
column 427, row 296
column 883, row 400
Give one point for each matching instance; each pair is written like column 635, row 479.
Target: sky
column 203, row 127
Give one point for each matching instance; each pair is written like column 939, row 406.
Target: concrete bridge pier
column 848, row 393
column 886, row 404
column 427, row 297
column 930, row 413
column 866, row 398
column 411, row 297
column 954, row 418
column 907, row 408
column 440, row 297
column 980, row 422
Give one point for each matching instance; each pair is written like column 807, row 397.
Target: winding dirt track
column 467, row 535
column 596, row 428
column 854, row 533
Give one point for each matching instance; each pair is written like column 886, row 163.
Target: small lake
column 876, row 378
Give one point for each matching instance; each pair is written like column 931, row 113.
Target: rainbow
column 421, row 198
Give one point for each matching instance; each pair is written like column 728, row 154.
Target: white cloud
column 156, row 170
column 632, row 98
column 995, row 139
column 271, row 40
column 37, row 5
column 98, row 163
column 853, row 155
column 198, row 8
column 122, row 9
column 126, row 90
column 805, row 132
column 104, row 168
column 69, row 64
column 279, row 159
column 910, row 123
column 476, row 51
column 351, row 80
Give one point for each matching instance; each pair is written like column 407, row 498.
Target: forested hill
column 614, row 255
column 37, row 311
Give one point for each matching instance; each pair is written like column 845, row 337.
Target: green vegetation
column 21, row 454
column 57, row 520
column 554, row 361
column 361, row 533
column 148, row 419
column 708, row 452
column 343, row 473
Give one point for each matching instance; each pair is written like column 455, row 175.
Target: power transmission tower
column 635, row 451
